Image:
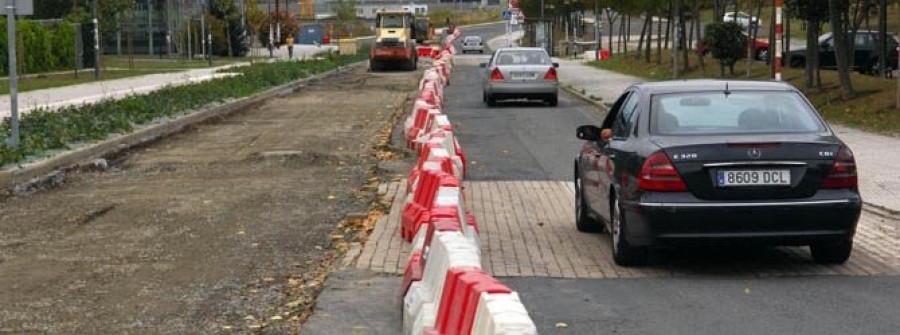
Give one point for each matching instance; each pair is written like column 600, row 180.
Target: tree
column 841, row 46
column 345, row 16
column 813, row 12
column 725, row 42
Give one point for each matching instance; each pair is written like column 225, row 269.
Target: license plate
column 522, row 75
column 753, row 178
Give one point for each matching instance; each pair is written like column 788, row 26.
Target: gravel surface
column 226, row 227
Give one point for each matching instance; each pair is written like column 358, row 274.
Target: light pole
column 96, row 41
column 779, row 42
column 13, row 80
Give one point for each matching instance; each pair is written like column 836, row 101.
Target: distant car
column 742, row 19
column 517, row 73
column 472, row 44
column 865, row 55
column 716, row 162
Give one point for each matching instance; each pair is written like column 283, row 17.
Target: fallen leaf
column 227, row 327
column 249, row 318
column 747, row 290
column 562, row 325
column 207, row 202
column 268, row 279
column 331, row 197
column 294, row 304
column 276, row 318
column 241, row 232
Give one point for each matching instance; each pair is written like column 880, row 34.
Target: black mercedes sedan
column 716, row 162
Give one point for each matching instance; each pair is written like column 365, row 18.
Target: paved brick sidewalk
column 878, row 156
column 528, row 229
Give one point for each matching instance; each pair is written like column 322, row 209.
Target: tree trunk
column 669, row 17
column 228, row 38
column 841, row 47
column 659, row 40
column 696, row 25
column 811, row 55
column 685, row 46
column 749, row 46
column 641, row 40
column 649, row 36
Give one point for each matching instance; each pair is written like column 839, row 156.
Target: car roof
column 520, row 49
column 707, row 85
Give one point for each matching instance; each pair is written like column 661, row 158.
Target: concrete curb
column 587, row 99
column 36, row 172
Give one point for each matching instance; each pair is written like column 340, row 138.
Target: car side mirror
column 482, row 65
column 588, row 133
column 555, row 64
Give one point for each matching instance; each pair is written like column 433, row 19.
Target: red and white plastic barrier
column 444, row 289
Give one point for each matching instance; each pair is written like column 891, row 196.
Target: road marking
column 528, row 230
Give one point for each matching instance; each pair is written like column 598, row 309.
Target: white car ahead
column 742, row 19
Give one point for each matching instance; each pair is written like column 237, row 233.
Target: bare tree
column 841, row 46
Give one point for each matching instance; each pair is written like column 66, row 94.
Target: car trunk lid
column 766, row 167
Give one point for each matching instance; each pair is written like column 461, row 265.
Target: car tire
column 832, row 252
column 374, row 66
column 798, row 62
column 623, row 253
column 553, row 101
column 583, row 221
column 490, row 100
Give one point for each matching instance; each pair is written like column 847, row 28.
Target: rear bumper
column 794, row 222
column 391, row 53
column 472, row 48
column 522, row 89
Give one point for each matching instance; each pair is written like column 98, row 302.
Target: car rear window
column 472, row 39
column 739, row 112
column 523, row 57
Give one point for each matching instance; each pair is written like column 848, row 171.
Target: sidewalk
column 57, row 97
column 879, row 178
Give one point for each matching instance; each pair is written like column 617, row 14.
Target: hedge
column 42, row 130
column 42, row 47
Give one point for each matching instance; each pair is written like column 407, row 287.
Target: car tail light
column 551, row 74
column 496, row 75
column 658, row 174
column 843, row 171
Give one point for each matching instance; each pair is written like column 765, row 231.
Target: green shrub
column 41, row 47
column 726, row 43
column 43, row 130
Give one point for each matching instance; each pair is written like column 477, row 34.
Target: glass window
column 863, row 39
column 523, row 57
column 393, row 21
column 623, row 122
column 715, row 113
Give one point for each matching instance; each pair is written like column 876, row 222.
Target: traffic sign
column 23, row 7
column 507, row 14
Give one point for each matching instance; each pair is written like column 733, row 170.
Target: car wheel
column 797, row 62
column 832, row 252
column 553, row 101
column 374, row 66
column 623, row 253
column 490, row 100
column 583, row 221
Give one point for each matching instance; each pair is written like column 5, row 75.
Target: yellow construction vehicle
column 395, row 41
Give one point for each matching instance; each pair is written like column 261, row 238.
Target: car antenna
column 727, row 92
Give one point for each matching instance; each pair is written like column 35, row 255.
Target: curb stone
column 24, row 176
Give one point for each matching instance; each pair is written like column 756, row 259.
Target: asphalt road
column 523, row 141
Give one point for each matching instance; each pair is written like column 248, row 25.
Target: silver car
column 517, row 73
column 472, row 44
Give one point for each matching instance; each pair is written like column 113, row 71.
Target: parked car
column 472, row 44
column 716, row 162
column 865, row 56
column 517, row 73
column 742, row 19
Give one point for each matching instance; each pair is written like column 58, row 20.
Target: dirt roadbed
column 222, row 228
